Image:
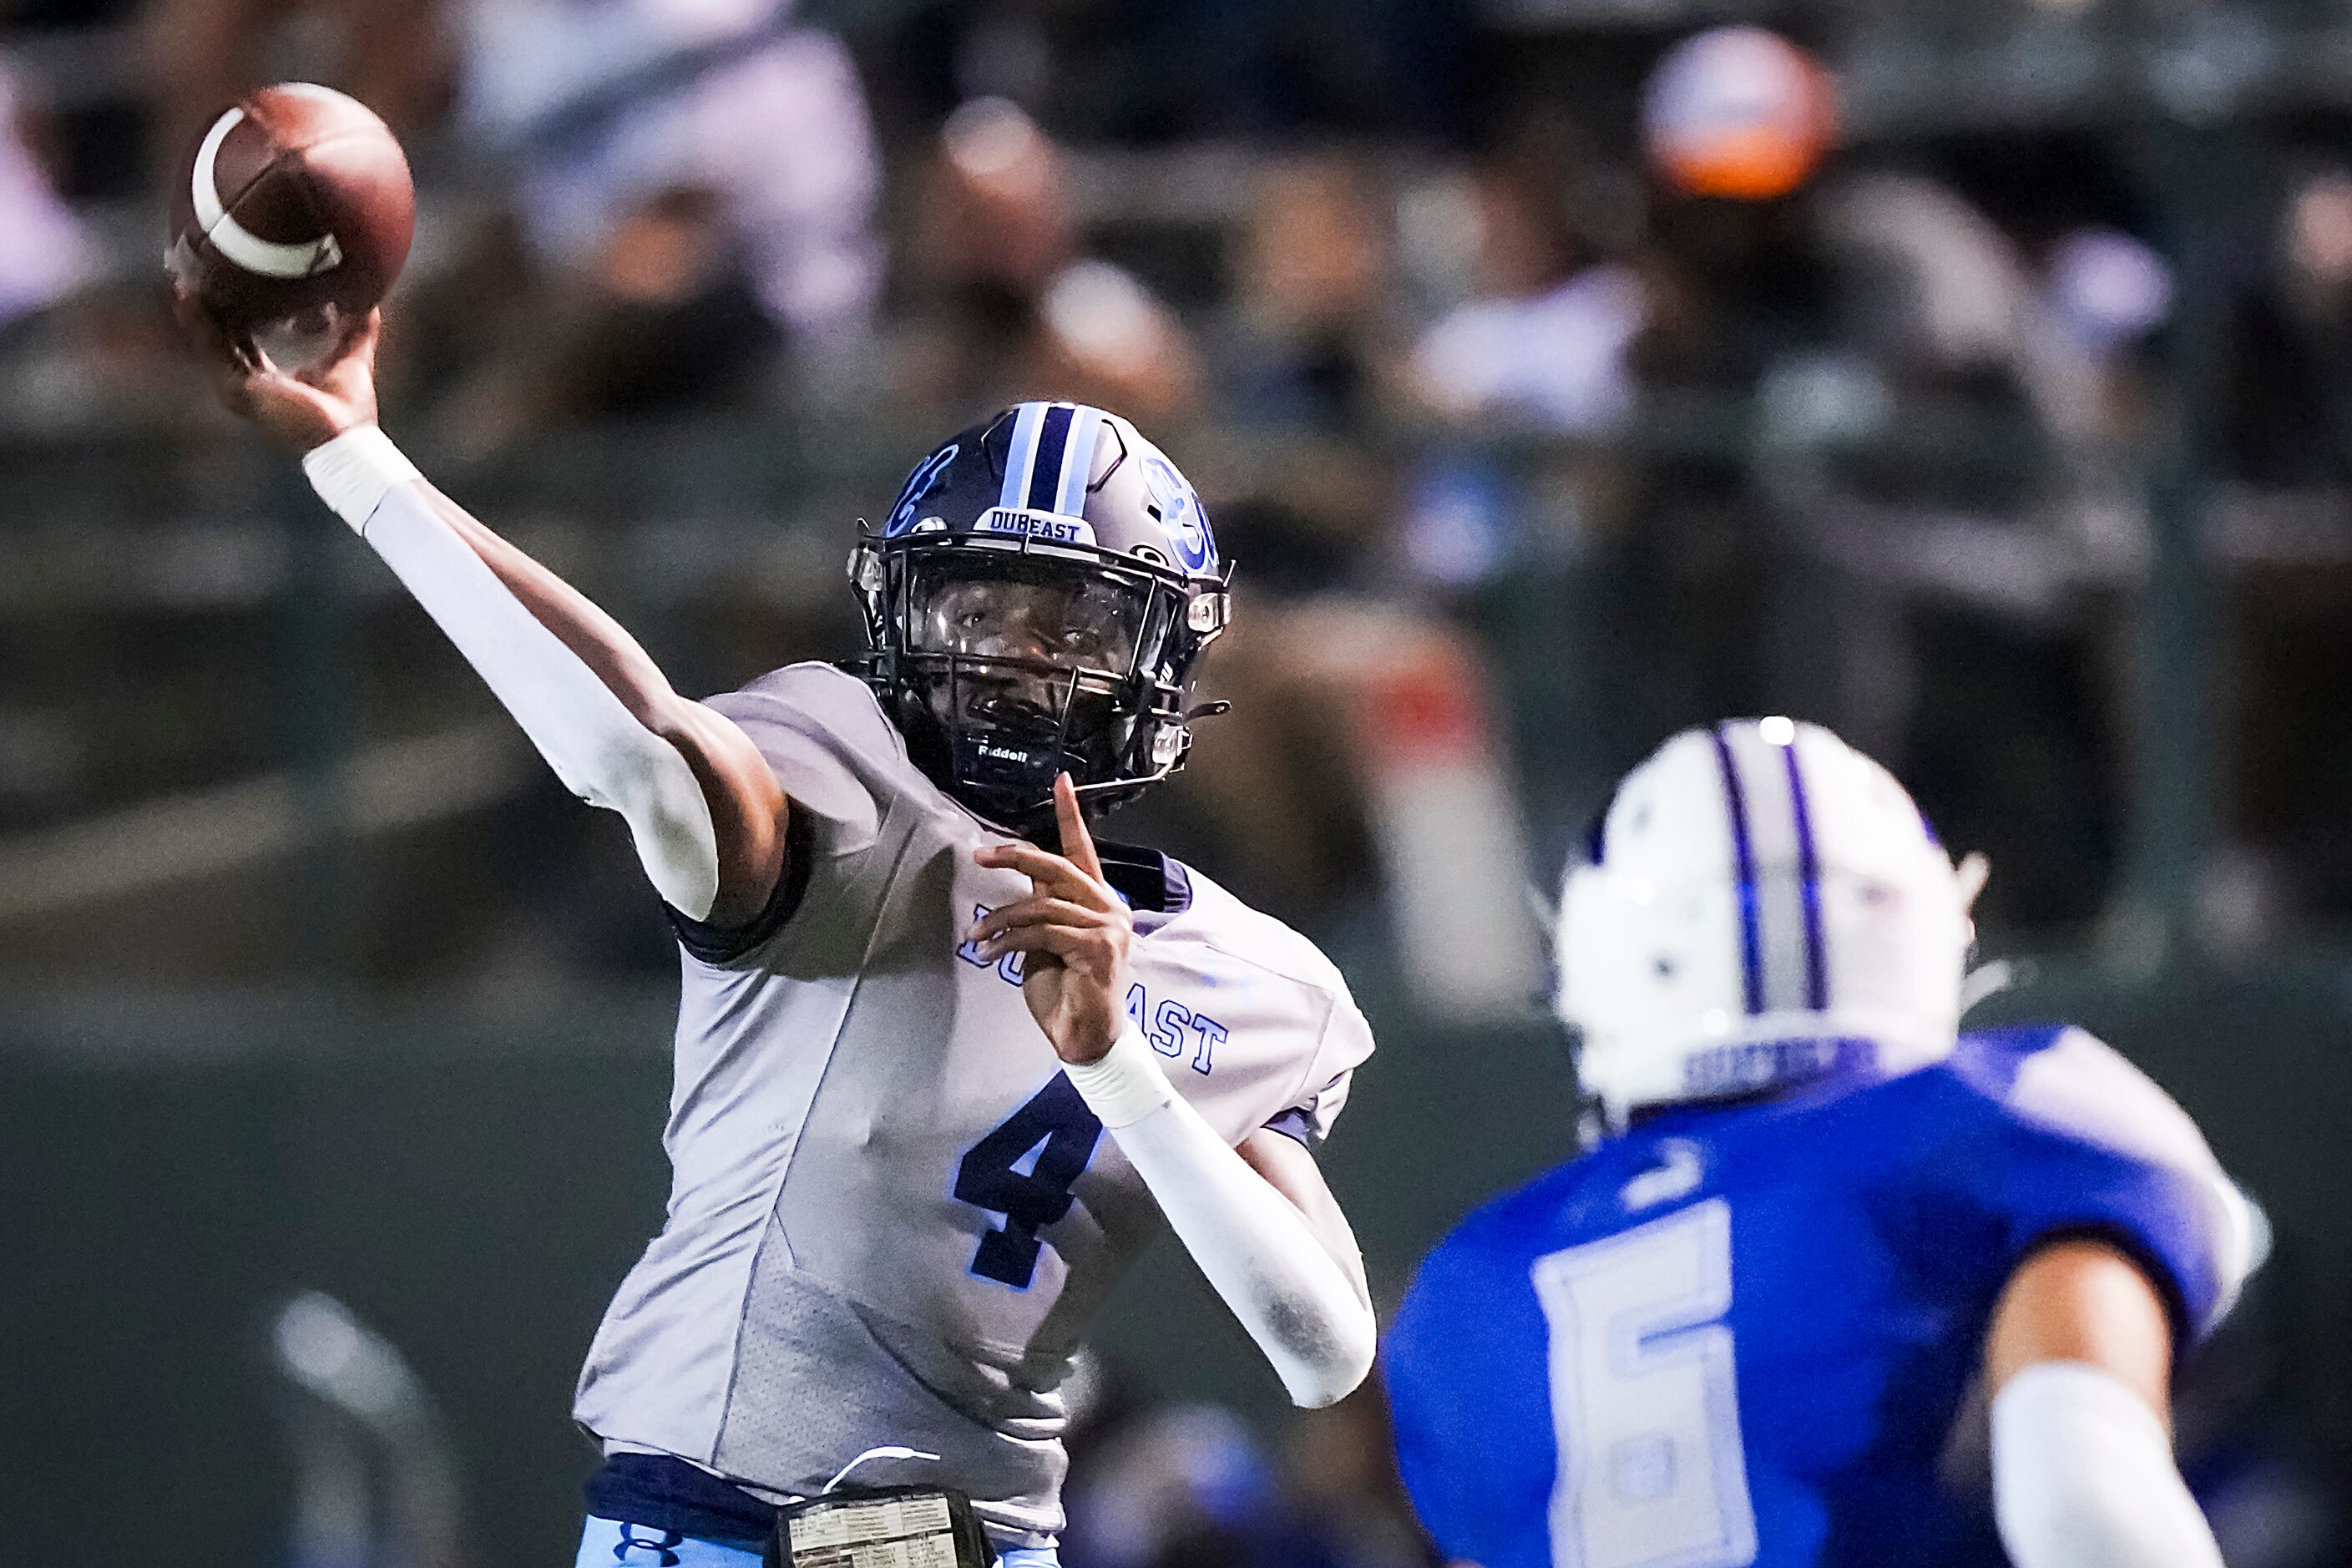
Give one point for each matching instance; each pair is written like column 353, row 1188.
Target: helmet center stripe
column 1808, row 876
column 1045, row 468
column 1743, row 856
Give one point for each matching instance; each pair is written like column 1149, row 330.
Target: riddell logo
column 1003, row 753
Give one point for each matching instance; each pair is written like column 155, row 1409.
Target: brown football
column 295, row 197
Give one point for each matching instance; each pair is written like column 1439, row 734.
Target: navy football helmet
column 1034, row 604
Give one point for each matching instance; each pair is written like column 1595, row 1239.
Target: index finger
column 1078, row 844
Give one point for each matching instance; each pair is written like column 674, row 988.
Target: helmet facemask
column 1014, row 662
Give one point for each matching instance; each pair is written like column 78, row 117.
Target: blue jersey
column 1742, row 1336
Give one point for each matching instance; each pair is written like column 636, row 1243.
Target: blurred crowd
column 1442, row 334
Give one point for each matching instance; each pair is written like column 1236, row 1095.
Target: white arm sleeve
column 1254, row 1246
column 2083, row 1475
column 593, row 743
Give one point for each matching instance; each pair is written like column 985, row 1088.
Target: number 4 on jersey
column 1023, row 1171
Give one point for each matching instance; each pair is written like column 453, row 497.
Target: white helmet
column 1759, row 902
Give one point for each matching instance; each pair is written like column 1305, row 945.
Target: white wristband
column 353, row 471
column 1125, row 1084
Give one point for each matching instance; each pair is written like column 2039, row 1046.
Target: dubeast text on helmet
column 1759, row 902
column 1035, row 603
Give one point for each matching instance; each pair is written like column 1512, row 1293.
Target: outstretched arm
column 703, row 808
column 2079, row 1360
column 1259, row 1221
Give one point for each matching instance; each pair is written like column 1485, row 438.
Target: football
column 295, row 197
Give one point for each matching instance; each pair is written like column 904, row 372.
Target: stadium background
column 2015, row 445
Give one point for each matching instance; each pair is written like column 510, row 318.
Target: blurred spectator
column 394, row 56
column 1008, row 305
column 1311, row 334
column 43, row 251
column 1542, row 345
column 606, row 110
column 658, row 251
column 2288, row 398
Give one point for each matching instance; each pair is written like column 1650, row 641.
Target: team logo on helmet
column 1181, row 514
column 926, row 478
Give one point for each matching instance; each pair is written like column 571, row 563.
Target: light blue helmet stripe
column 1079, row 462
column 1021, row 459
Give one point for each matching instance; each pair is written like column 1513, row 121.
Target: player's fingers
column 1051, row 872
column 1090, row 950
column 1078, row 844
column 226, row 354
column 355, row 342
column 260, row 365
column 1039, row 911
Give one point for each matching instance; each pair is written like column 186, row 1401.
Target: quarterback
column 944, row 1064
column 1818, row 1231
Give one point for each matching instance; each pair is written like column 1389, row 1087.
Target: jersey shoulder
column 1220, row 920
column 2066, row 1080
column 2054, row 1125
column 832, row 749
column 1332, row 1035
column 816, row 697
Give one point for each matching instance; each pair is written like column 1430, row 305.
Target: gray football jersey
column 890, row 1215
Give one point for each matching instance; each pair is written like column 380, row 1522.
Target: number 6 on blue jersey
column 1645, row 1399
column 1022, row 1170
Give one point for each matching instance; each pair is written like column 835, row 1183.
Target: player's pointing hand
column 1074, row 929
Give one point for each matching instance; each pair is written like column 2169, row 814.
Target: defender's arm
column 705, row 810
column 2079, row 1360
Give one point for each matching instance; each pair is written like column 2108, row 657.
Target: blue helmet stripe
column 1079, row 462
column 1046, row 472
column 1809, row 878
column 1021, row 457
column 1752, row 942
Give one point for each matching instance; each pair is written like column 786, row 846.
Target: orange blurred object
column 1739, row 112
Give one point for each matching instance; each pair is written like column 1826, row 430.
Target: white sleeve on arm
column 2083, row 1475
column 593, row 743
column 1254, row 1246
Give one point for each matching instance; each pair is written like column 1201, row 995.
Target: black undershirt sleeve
column 724, row 944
